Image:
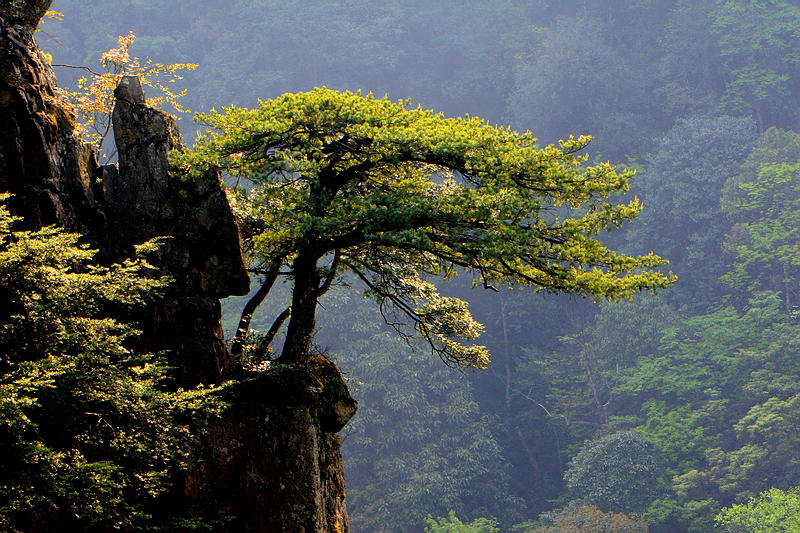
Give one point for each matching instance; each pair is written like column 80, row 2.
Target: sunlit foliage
column 773, row 511
column 396, row 194
column 89, row 436
column 452, row 524
column 681, row 88
column 54, row 15
column 93, row 100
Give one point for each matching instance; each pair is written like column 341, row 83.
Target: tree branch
column 261, row 350
column 77, row 67
column 326, row 285
column 250, row 307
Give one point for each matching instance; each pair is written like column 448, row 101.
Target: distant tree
column 419, row 444
column 765, row 240
column 774, row 146
column 773, row 511
column 617, row 472
column 689, row 66
column 583, row 372
column 591, row 519
column 559, row 88
column 451, row 524
column 762, row 203
column 89, row 437
column 717, row 399
column 680, row 187
column 758, row 43
column 93, row 99
column 344, row 182
column 765, row 454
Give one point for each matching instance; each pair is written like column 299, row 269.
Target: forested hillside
column 669, row 408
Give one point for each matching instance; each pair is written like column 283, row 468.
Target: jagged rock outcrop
column 202, row 252
column 283, row 439
column 41, row 161
column 271, row 463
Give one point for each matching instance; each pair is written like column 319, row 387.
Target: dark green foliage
column 560, row 73
column 689, row 68
column 617, row 472
column 758, row 45
column 584, row 371
column 419, row 437
column 686, row 175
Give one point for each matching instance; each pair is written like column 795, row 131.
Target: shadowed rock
column 41, row 160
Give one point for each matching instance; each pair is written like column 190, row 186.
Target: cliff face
column 41, row 161
column 202, row 253
column 276, row 464
column 272, row 462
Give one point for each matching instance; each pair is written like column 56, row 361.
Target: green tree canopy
column 686, row 175
column 773, row 511
column 419, row 444
column 394, row 194
column 560, row 72
column 762, row 203
column 617, row 472
column 757, row 43
column 452, row 524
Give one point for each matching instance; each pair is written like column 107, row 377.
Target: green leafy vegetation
column 419, row 435
column 619, row 471
column 773, row 511
column 394, row 195
column 452, row 524
column 88, row 433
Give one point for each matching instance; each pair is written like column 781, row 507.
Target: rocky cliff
column 271, row 463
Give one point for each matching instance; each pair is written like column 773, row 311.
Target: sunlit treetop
column 397, row 194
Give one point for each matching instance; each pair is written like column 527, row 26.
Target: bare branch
column 77, row 67
column 270, row 336
column 251, row 306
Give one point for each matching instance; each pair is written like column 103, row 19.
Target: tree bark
column 250, row 307
column 300, row 331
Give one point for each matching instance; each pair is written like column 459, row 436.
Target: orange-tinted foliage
column 93, row 100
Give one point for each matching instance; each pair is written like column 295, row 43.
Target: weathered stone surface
column 202, row 253
column 277, row 444
column 41, row 160
column 25, row 13
column 272, row 461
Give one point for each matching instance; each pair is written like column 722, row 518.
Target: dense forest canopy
column 697, row 386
